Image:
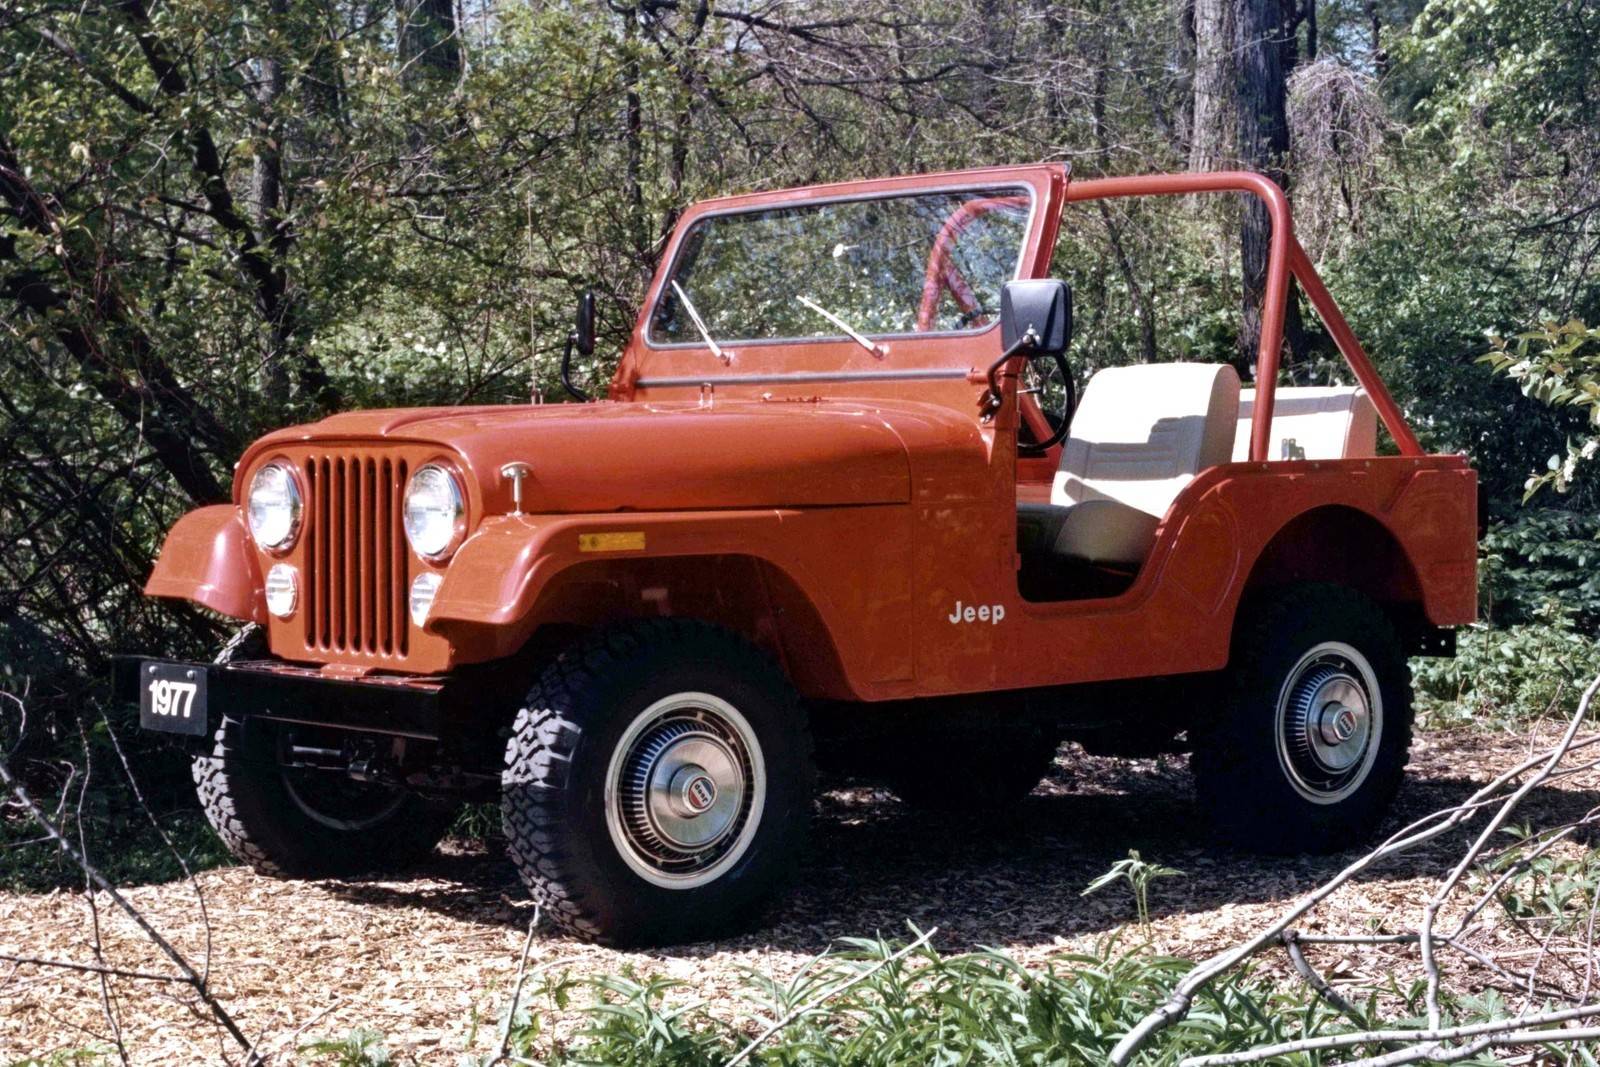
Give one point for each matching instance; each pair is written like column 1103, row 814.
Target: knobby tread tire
column 1244, row 793
column 560, row 746
column 241, row 792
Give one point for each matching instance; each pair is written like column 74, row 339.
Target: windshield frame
column 1013, row 187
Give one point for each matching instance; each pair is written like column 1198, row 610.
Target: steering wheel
column 1048, row 379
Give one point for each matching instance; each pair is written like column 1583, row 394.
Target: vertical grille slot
column 355, row 556
column 402, row 590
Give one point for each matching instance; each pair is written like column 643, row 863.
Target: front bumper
column 412, row 707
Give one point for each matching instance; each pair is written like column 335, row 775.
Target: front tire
column 1312, row 728
column 658, row 783
column 303, row 823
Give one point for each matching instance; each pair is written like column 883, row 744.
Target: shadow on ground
column 875, row 864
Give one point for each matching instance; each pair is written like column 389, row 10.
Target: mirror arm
column 566, row 368
column 993, row 399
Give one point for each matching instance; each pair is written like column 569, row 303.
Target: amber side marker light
column 628, row 541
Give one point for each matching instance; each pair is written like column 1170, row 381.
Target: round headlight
column 273, row 507
column 433, row 512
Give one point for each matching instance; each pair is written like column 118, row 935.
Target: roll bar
column 1285, row 259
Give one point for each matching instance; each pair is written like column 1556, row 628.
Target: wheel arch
column 745, row 593
column 1346, row 546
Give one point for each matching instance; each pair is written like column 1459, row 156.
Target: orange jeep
column 841, row 505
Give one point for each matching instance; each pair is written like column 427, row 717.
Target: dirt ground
column 418, row 958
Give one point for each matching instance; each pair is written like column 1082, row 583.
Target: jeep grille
column 355, row 595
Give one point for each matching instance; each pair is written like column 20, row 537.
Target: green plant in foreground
column 920, row 1008
column 1138, row 873
column 361, row 1047
column 66, row 1057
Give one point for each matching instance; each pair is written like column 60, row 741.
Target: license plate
column 172, row 698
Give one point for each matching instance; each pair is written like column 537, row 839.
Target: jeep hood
column 659, row 456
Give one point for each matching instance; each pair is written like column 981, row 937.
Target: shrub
column 924, row 1007
column 1543, row 554
column 1559, row 365
column 1512, row 674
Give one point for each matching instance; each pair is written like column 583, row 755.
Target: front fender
column 208, row 558
column 497, row 576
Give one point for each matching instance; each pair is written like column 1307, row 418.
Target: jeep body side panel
column 208, row 558
column 1178, row 615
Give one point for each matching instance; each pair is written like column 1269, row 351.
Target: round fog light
column 423, row 590
column 283, row 589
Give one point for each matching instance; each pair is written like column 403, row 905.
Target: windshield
column 928, row 262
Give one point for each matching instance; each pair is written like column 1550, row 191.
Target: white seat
column 1313, row 422
column 1139, row 436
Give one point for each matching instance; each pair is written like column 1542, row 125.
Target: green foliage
column 1507, row 676
column 924, row 1008
column 1558, row 365
column 67, row 1057
column 477, row 822
column 85, row 792
column 1421, row 285
column 1557, row 889
column 1516, row 69
column 1138, row 874
column 123, row 846
column 359, row 1048
column 1541, row 555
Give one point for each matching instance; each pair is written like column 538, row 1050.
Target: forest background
column 219, row 218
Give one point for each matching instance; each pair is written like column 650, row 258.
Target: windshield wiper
column 699, row 324
column 851, row 332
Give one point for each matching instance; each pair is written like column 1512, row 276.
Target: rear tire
column 1312, row 729
column 658, row 784
column 290, row 824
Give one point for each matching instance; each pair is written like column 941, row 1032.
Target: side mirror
column 1043, row 305
column 582, row 339
column 583, row 330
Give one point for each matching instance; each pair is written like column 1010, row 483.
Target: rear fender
column 208, row 558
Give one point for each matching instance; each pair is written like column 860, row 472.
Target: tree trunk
column 1380, row 58
column 430, row 43
column 1216, row 85
column 1263, row 146
column 1136, row 293
column 266, row 188
column 633, row 171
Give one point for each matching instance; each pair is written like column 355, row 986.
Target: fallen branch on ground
column 1434, row 1042
column 186, row 974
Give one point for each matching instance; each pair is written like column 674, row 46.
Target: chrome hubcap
column 684, row 790
column 1330, row 720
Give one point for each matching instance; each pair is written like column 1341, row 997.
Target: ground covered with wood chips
column 420, row 959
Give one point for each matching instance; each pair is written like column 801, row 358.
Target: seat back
column 1313, row 422
column 1141, row 433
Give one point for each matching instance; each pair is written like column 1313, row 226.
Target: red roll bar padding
column 1284, row 257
